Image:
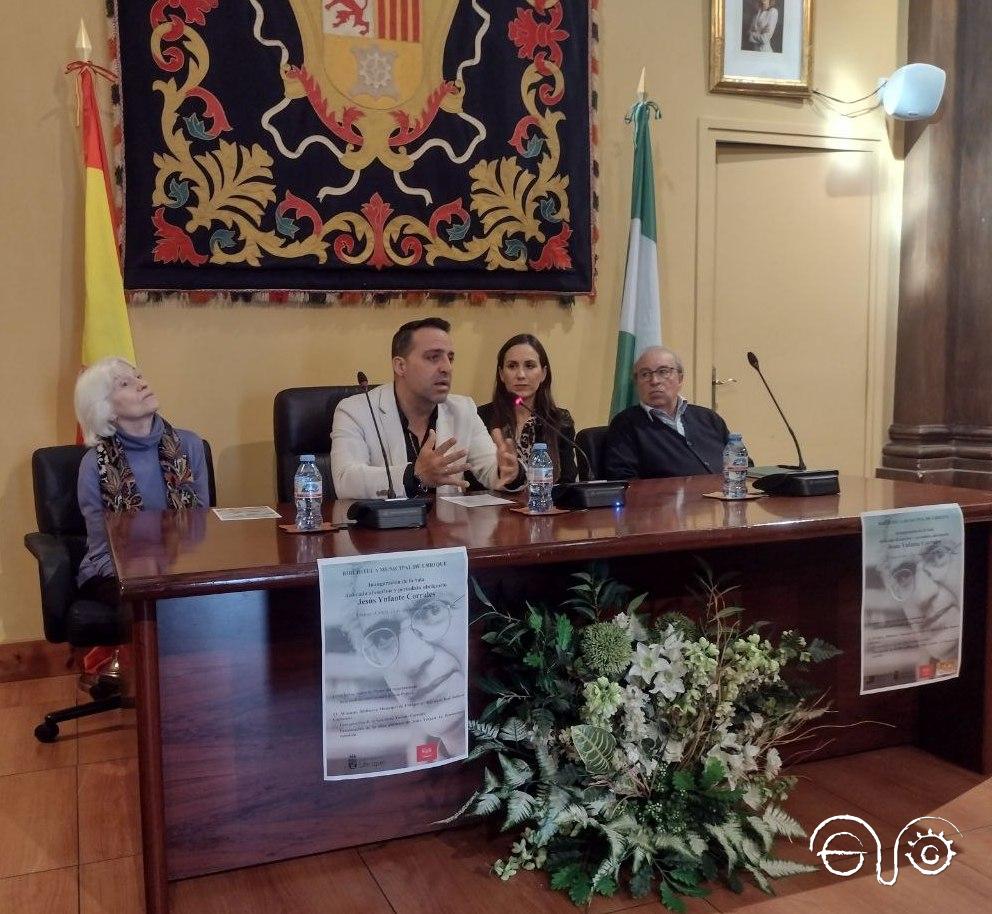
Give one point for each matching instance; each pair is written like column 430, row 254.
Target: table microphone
column 789, row 480
column 752, row 360
column 597, row 493
column 519, row 401
column 392, row 512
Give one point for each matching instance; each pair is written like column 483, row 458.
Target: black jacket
column 639, row 446
column 566, row 453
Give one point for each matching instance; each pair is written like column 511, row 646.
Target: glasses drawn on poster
column 395, row 662
column 911, row 608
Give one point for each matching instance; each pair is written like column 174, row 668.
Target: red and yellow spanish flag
column 106, row 329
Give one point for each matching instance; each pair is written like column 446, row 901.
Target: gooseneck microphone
column 363, row 381
column 598, row 493
column 519, row 401
column 786, row 480
column 392, row 512
column 752, row 360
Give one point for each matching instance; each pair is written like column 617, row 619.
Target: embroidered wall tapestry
column 366, row 145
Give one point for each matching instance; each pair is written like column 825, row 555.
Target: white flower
column 631, row 625
column 647, row 662
column 634, row 723
column 673, row 645
column 633, row 697
column 668, row 679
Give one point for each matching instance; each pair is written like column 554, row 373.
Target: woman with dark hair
column 523, row 373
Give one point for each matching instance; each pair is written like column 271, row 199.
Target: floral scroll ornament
column 216, row 199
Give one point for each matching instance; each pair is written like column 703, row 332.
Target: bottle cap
column 307, row 458
column 540, row 446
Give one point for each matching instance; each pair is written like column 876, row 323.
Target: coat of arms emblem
column 372, row 72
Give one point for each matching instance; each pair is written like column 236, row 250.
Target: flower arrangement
column 640, row 753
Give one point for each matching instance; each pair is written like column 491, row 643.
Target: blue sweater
column 641, row 447
column 142, row 457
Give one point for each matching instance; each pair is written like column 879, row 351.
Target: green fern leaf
column 518, row 808
column 782, row 823
column 513, row 731
column 487, row 804
column 779, row 869
column 670, row 900
column 515, row 771
column 763, row 830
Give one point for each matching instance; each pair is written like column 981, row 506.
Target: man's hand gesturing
column 439, row 465
column 508, row 467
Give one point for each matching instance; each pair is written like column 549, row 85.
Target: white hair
column 650, row 350
column 92, row 398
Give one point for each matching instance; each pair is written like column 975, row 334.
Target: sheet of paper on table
column 256, row 512
column 475, row 501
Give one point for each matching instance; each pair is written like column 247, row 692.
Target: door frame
column 716, row 131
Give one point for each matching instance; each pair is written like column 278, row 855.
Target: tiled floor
column 69, row 840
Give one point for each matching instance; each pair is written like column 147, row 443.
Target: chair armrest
column 57, row 579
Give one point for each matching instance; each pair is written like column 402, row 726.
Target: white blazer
column 357, row 466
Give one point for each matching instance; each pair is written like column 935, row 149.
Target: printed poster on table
column 911, row 608
column 394, row 631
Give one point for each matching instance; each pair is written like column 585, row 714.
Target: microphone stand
column 363, row 380
column 392, row 512
column 787, row 480
column 752, row 360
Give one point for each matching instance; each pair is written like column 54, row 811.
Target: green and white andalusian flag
column 640, row 312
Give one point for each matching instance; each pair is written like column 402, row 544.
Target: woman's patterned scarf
column 118, row 487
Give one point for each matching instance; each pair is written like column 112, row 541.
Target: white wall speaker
column 913, row 92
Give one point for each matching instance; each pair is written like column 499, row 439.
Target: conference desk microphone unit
column 790, row 480
column 594, row 493
column 390, row 513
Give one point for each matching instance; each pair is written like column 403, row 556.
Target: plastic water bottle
column 308, row 490
column 735, row 467
column 540, row 479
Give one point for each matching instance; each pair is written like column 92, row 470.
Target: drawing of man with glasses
column 396, row 682
column 912, row 608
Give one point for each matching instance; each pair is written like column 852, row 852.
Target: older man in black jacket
column 663, row 435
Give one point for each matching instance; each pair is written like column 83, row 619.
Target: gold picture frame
column 749, row 58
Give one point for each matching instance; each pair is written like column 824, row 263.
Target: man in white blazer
column 431, row 436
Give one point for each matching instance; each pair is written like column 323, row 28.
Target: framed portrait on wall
column 761, row 47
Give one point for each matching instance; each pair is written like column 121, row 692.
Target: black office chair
column 59, row 546
column 301, row 424
column 593, row 442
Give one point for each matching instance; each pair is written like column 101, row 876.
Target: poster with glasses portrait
column 761, row 47
column 394, row 633
column 911, row 605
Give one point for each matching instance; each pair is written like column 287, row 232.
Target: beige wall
column 217, row 367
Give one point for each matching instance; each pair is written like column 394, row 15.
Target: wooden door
column 792, row 280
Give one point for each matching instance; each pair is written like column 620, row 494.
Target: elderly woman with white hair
column 137, row 461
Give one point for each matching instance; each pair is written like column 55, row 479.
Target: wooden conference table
column 227, row 648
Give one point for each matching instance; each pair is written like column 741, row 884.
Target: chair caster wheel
column 46, row 732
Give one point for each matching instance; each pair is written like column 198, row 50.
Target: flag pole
column 640, row 307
